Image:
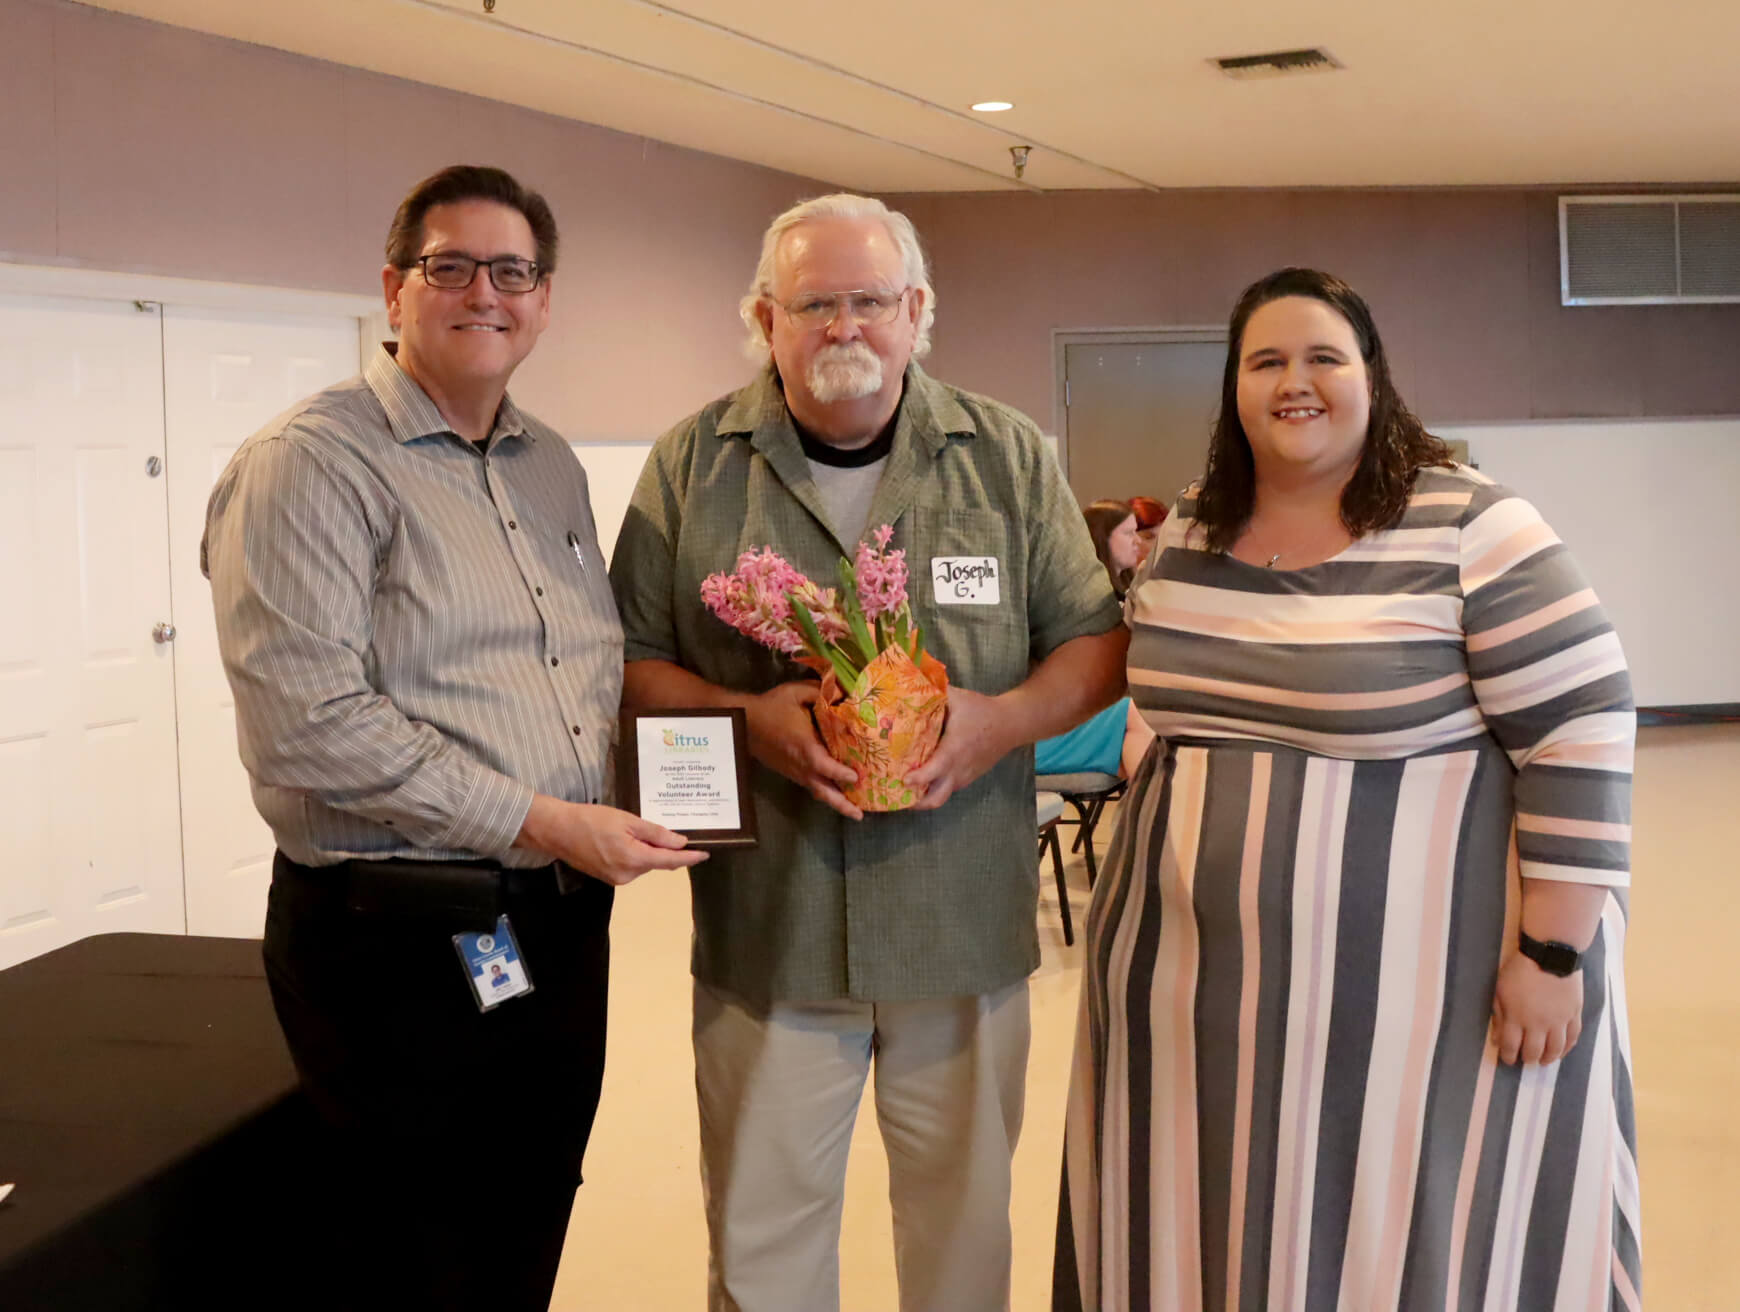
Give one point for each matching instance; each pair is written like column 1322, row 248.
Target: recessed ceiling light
column 992, row 106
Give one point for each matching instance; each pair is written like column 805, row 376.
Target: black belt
column 463, row 895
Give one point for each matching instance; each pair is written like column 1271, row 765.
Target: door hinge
column 1066, row 393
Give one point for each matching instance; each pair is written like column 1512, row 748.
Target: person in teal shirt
column 1113, row 741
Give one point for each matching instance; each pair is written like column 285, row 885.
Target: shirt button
column 539, row 591
column 576, row 729
column 512, row 524
column 554, row 662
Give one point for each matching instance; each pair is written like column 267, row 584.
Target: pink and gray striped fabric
column 1285, row 1098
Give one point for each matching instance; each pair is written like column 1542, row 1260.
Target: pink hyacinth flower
column 881, row 575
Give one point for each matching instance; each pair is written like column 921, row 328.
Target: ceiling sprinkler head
column 1019, row 155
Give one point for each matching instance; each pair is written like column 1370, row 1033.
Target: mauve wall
column 133, row 145
column 1464, row 284
column 137, row 146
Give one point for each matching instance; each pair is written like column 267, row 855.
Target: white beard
column 845, row 371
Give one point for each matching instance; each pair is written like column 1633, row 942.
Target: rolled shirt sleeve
column 643, row 564
column 1069, row 593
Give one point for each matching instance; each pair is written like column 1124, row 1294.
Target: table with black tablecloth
column 148, row 1110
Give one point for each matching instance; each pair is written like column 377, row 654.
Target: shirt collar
column 927, row 409
column 410, row 412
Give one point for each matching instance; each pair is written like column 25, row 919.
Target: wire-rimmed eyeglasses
column 818, row 310
column 454, row 272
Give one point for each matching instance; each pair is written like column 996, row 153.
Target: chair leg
column 1080, row 822
column 1087, row 838
column 1056, row 847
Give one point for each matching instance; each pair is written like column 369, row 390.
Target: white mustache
column 844, row 371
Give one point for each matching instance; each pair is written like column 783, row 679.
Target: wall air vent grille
column 1710, row 248
column 1649, row 250
column 1277, row 63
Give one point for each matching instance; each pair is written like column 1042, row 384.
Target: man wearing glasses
column 899, row 941
column 426, row 660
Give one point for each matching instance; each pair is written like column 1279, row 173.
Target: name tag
column 493, row 965
column 966, row 580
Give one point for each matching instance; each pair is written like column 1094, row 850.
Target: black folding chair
column 1050, row 810
column 1088, row 792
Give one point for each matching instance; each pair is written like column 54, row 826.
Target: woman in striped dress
column 1353, row 1027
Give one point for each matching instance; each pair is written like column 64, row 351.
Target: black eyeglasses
column 507, row 273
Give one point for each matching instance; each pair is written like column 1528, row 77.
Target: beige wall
column 132, row 145
column 1464, row 284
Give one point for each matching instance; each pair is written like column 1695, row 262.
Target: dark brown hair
column 1102, row 517
column 460, row 182
column 1397, row 445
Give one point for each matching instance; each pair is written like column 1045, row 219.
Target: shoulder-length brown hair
column 1102, row 517
column 1397, row 445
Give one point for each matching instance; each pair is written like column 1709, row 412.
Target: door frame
column 149, row 288
column 1064, row 338
column 118, row 288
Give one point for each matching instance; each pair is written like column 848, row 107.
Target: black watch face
column 1554, row 958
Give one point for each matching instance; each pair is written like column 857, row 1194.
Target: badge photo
column 493, row 965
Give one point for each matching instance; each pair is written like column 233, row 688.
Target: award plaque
column 688, row 770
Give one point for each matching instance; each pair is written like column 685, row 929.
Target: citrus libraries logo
column 686, row 742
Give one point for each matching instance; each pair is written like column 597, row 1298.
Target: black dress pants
column 452, row 1138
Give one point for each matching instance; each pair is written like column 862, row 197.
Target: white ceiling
column 1109, row 93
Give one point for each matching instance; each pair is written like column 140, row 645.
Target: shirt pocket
column 984, row 643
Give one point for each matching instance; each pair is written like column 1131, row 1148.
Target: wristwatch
column 1555, row 958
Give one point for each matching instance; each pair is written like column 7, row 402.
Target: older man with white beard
column 901, row 940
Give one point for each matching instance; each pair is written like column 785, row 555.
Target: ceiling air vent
column 1649, row 250
column 1277, row 63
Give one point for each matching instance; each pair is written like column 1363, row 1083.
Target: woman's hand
column 1536, row 1017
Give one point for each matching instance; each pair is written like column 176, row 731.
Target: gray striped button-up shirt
column 419, row 633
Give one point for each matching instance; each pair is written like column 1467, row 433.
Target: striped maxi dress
column 1284, row 1096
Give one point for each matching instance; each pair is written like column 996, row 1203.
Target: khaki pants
column 778, row 1096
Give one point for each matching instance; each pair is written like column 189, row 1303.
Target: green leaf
column 855, row 611
column 844, row 670
column 849, row 675
column 807, row 626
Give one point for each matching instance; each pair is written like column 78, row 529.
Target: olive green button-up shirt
column 906, row 905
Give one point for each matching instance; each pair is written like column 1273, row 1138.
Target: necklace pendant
column 1272, row 560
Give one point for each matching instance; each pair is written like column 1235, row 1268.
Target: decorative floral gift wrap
column 888, row 726
column 883, row 696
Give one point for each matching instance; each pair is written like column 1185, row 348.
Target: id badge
column 493, row 965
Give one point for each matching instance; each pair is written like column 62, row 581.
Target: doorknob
column 164, row 632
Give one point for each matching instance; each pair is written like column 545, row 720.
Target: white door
column 226, row 373
column 89, row 824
